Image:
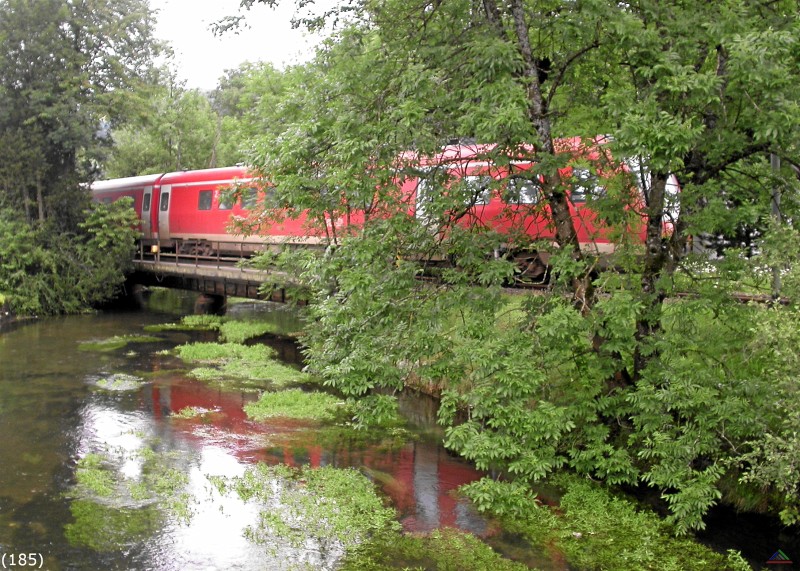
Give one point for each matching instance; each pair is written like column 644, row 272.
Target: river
column 58, row 407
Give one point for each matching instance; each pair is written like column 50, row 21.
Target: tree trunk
column 648, row 322
column 40, row 198
column 553, row 188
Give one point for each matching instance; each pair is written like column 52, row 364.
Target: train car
column 140, row 188
column 191, row 212
column 194, row 210
column 507, row 197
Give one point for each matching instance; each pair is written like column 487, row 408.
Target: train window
column 521, row 191
column 248, row 200
column 479, row 188
column 106, row 200
column 585, row 185
column 204, row 200
column 226, row 199
column 164, row 206
column 146, row 203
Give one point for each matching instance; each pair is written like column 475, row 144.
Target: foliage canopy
column 604, row 374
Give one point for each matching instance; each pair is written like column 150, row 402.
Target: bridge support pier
column 210, row 303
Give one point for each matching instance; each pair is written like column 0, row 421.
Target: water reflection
column 54, row 411
column 420, row 477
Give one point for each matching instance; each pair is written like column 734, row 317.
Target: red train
column 190, row 212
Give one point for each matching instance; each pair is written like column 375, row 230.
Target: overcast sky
column 202, row 58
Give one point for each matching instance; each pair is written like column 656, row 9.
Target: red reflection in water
column 420, row 478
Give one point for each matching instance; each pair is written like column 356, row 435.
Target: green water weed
column 238, row 331
column 294, row 403
column 94, row 475
column 106, row 528
column 189, row 323
column 596, row 529
column 218, row 353
column 443, row 550
column 328, row 505
column 116, row 342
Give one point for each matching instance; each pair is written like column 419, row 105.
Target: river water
column 54, row 410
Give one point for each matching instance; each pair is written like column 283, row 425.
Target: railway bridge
column 217, row 276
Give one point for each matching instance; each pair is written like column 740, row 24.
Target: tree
column 624, row 387
column 247, row 102
column 176, row 130
column 66, row 67
column 69, row 70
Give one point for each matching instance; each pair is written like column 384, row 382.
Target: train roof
column 128, row 183
column 460, row 152
column 223, row 175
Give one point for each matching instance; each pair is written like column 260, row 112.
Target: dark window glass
column 585, row 185
column 226, row 199
column 146, row 203
column 164, row 201
column 521, row 191
column 249, row 196
column 107, row 200
column 480, row 189
column 204, row 200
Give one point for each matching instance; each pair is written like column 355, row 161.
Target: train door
column 147, row 220
column 163, row 212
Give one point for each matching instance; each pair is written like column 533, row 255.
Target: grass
column 294, row 403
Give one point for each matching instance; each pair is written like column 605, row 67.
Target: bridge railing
column 219, row 254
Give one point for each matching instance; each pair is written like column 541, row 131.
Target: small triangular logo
column 779, row 558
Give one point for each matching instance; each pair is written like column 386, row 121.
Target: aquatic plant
column 190, row 412
column 445, row 549
column 238, row 331
column 596, row 529
column 223, row 352
column 251, row 363
column 231, row 330
column 294, row 403
column 120, row 382
column 330, row 508
column 107, row 528
column 116, row 342
column 99, row 481
column 94, row 476
column 189, row 323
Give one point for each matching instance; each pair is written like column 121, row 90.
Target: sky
column 201, row 57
